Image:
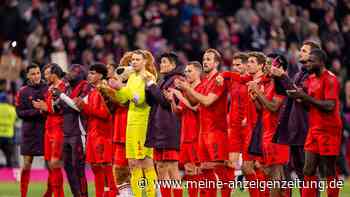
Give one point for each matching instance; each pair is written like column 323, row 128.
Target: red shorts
column 53, row 146
column 246, row 137
column 189, row 153
column 119, row 157
column 235, row 139
column 213, row 146
column 326, row 142
column 275, row 154
column 99, row 149
column 165, row 155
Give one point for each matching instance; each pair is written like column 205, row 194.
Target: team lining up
column 194, row 118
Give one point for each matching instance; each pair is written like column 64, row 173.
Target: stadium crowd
column 71, row 36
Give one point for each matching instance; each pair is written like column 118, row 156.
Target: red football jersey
column 325, row 87
column 239, row 101
column 98, row 116
column 213, row 117
column 120, row 120
column 238, row 91
column 54, row 121
column 269, row 118
column 189, row 123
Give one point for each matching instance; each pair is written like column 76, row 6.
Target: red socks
column 25, row 176
column 166, row 192
column 177, row 192
column 309, row 189
column 225, row 174
column 49, row 191
column 102, row 172
column 57, row 182
column 208, row 175
column 84, row 187
column 192, row 189
column 99, row 180
column 108, row 172
column 332, row 190
column 260, row 175
column 253, row 192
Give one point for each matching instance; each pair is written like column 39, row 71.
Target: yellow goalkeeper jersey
column 137, row 121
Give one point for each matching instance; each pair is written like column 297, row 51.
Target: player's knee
column 27, row 162
column 277, row 173
column 27, row 165
column 147, row 163
column 55, row 163
column 309, row 169
column 174, row 171
column 122, row 175
column 247, row 168
column 329, row 171
column 161, row 167
column 174, row 166
column 133, row 164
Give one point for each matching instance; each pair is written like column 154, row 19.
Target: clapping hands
column 181, row 84
column 40, row 105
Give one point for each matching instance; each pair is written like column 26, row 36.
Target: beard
column 207, row 69
column 315, row 70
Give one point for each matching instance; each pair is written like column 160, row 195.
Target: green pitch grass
column 8, row 189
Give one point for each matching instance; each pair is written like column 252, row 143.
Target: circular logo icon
column 142, row 183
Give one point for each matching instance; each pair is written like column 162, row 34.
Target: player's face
column 34, row 75
column 94, row 77
column 313, row 63
column 110, row 70
column 48, row 76
column 209, row 62
column 238, row 65
column 304, row 53
column 192, row 73
column 73, row 73
column 138, row 62
column 253, row 66
column 166, row 65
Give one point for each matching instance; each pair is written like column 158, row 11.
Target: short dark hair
column 33, row 65
column 57, row 70
column 99, row 68
column 320, row 54
column 172, row 57
column 313, row 45
column 242, row 56
column 280, row 59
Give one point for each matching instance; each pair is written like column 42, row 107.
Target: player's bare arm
column 272, row 105
column 324, row 105
column 204, row 100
